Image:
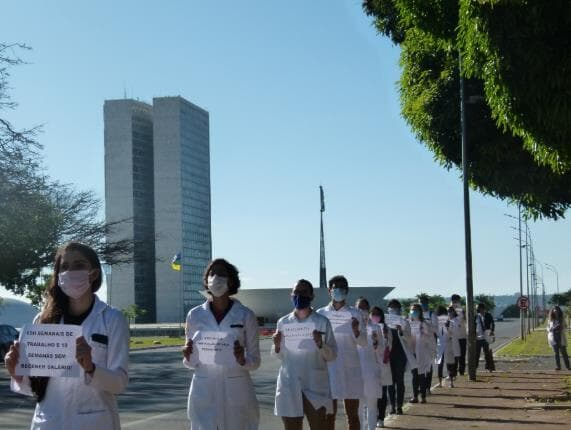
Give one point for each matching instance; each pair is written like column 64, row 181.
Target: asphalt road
column 158, row 387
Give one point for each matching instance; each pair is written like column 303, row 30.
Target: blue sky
column 300, row 94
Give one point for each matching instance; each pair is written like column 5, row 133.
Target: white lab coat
column 223, row 397
column 448, row 344
column 88, row 402
column 423, row 346
column 370, row 367
column 345, row 375
column 407, row 344
column 304, row 371
column 551, row 337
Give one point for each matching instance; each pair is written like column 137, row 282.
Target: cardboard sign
column 48, row 350
column 340, row 322
column 415, row 328
column 215, row 347
column 299, row 336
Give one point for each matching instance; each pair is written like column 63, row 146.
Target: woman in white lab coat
column 370, row 368
column 422, row 343
column 303, row 383
column 222, row 396
column 383, row 353
column 86, row 402
column 448, row 345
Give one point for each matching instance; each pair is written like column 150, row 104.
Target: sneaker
column 380, row 424
column 413, row 400
column 399, row 411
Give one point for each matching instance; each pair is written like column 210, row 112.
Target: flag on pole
column 176, row 262
column 322, row 199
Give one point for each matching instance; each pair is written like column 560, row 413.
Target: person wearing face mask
column 222, row 396
column 461, row 330
column 422, row 343
column 303, row 384
column 401, row 357
column 448, row 345
column 369, row 356
column 87, row 402
column 431, row 318
column 345, row 371
column 384, row 360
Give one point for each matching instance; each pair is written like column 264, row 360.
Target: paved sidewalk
column 520, row 395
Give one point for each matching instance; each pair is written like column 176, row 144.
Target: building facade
column 157, row 185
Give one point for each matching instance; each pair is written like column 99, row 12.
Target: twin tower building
column 157, row 191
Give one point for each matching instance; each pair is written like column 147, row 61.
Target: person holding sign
column 87, row 401
column 345, row 371
column 401, row 356
column 222, row 347
column 430, row 317
column 448, row 344
column 484, row 334
column 369, row 356
column 456, row 303
column 384, row 359
column 422, row 343
column 304, row 342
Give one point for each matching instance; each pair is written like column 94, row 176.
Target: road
column 158, row 389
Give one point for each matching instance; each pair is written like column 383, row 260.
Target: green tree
column 132, row 312
column 511, row 311
column 38, row 214
column 503, row 163
column 486, row 300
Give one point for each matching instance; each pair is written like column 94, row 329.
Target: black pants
column 382, row 404
column 563, row 349
column 452, row 368
column 398, row 365
column 462, row 359
column 482, row 344
column 418, row 384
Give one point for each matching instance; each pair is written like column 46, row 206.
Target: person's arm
column 114, row 377
column 278, row 342
column 252, row 339
column 329, row 347
column 360, row 333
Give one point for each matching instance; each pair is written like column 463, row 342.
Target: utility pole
column 472, row 365
column 322, row 272
column 521, row 311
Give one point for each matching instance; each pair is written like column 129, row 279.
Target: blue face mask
column 338, row 294
column 300, row 302
column 394, row 311
column 414, row 314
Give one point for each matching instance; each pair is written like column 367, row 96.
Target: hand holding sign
column 11, row 360
column 217, row 347
column 239, row 353
column 299, row 336
column 83, row 354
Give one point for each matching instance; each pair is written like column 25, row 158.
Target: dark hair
column 394, row 303
column 481, row 306
column 339, row 281
column 57, row 301
column 364, row 300
column 451, row 309
column 306, row 283
column 233, row 278
column 455, row 297
column 380, row 311
column 417, row 307
column 441, row 310
column 555, row 313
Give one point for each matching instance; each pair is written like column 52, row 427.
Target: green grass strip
column 534, row 345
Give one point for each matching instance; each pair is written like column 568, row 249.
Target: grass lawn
column 143, row 342
column 534, row 345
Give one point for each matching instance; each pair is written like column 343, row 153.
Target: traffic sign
column 522, row 302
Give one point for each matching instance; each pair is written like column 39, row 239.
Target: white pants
column 368, row 412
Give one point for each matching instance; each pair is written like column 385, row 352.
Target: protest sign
column 340, row 321
column 393, row 320
column 442, row 320
column 215, row 347
column 48, row 350
column 299, row 336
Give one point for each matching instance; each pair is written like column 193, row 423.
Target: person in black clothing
column 485, row 327
column 398, row 363
column 456, row 303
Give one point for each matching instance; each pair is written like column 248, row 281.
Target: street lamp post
column 554, row 270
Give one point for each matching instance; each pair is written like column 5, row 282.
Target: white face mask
column 74, row 283
column 338, row 294
column 217, row 285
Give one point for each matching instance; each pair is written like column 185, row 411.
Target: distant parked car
column 8, row 335
column 500, row 318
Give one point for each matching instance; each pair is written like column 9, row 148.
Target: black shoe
column 399, row 411
column 393, row 411
column 423, row 400
column 413, row 400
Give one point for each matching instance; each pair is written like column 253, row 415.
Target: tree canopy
column 518, row 143
column 37, row 214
